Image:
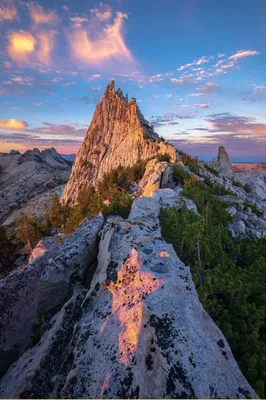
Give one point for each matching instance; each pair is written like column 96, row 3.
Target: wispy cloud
column 243, row 54
column 40, row 16
column 200, row 61
column 108, row 46
column 103, row 12
column 206, row 90
column 8, row 12
column 169, row 118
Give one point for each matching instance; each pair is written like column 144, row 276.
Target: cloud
column 244, row 53
column 60, row 130
column 7, row 12
column 206, row 90
column 66, row 84
column 85, row 99
column 13, row 124
column 169, row 118
column 26, row 49
column 102, row 15
column 107, row 46
column 200, row 61
column 159, row 77
column 180, row 81
column 78, row 21
column 226, row 122
column 40, row 16
column 23, row 80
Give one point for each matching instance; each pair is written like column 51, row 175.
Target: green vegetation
column 246, row 187
column 111, row 198
column 180, row 174
column 259, row 213
column 7, row 250
column 211, row 169
column 28, row 230
column 229, row 274
column 217, row 188
column 191, row 162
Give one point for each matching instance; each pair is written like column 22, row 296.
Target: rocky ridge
column 246, row 204
column 135, row 328
column 29, row 177
column 118, row 135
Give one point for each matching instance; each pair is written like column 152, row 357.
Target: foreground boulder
column 27, row 295
column 139, row 331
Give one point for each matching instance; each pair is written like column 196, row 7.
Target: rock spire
column 118, row 135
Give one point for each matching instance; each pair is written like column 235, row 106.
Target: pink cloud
column 244, row 53
column 180, row 81
column 107, row 46
column 40, row 16
column 7, row 12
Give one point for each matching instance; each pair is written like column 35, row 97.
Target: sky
column 196, row 67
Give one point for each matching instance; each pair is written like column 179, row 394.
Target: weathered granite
column 140, row 331
column 42, row 285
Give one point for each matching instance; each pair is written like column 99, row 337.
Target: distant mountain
column 24, row 176
column 69, row 157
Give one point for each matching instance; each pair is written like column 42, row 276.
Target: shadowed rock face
column 139, row 331
column 223, row 162
column 27, row 176
column 28, row 294
column 118, row 135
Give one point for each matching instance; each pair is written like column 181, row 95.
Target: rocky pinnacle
column 224, row 163
column 118, row 135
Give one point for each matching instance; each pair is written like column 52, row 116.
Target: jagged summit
column 118, row 135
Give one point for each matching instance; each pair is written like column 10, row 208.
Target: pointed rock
column 223, row 162
column 118, row 135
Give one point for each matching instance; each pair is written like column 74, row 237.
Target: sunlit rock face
column 118, row 135
column 158, row 174
column 139, row 331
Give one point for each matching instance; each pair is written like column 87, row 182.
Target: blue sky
column 196, row 67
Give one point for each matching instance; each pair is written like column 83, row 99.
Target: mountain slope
column 118, row 135
column 25, row 176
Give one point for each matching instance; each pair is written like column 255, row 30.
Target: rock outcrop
column 118, row 135
column 223, row 163
column 138, row 330
column 28, row 294
column 158, row 175
column 27, row 176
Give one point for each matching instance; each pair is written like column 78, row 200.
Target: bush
column 180, row 174
column 211, row 169
column 190, row 162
